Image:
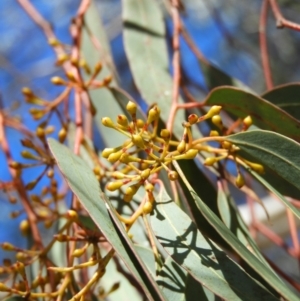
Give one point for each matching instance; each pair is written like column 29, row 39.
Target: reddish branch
column 264, row 46
column 281, row 22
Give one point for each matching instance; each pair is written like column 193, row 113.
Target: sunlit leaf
column 95, row 48
column 273, row 150
column 145, row 46
column 264, row 114
column 178, row 285
column 202, row 258
column 85, row 186
column 239, row 248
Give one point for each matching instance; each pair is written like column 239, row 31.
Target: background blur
column 225, row 31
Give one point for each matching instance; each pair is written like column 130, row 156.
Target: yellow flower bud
column 147, row 208
column 122, row 120
column 191, row 154
column 173, row 175
column 62, row 134
column 140, row 123
column 114, row 157
column 240, row 181
column 145, row 174
column 56, row 80
column 124, row 158
column 131, row 108
column 31, row 185
column 78, row 252
column 112, row 186
column 181, row 146
column 256, row 167
column 40, row 132
column 72, row 214
column 226, row 145
column 24, row 227
column 149, row 187
column 153, row 114
column 193, row 118
column 217, row 121
column 210, row 161
column 28, row 155
column 247, row 122
column 7, row 246
column 214, row 110
column 165, row 134
column 61, row 58
column 106, row 121
column 138, row 141
column 107, row 151
column 97, row 68
column 107, row 80
column 214, row 134
column 118, row 175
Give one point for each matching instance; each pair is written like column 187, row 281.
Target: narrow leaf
column 240, row 249
column 202, row 258
column 273, row 150
column 178, row 285
column 85, row 186
column 264, row 114
column 146, row 50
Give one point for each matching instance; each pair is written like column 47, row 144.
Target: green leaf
column 273, row 150
column 102, row 99
column 85, row 186
column 263, row 113
column 178, row 285
column 239, row 248
column 202, row 258
column 286, row 97
column 145, row 46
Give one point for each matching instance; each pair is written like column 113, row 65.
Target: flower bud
column 214, row 133
column 217, row 121
column 147, row 208
column 145, row 174
column 28, row 155
column 112, row 186
column 107, row 151
column 72, row 214
column 214, row 110
column 24, row 227
column 153, row 114
column 149, row 187
column 6, row 246
column 165, row 134
column 181, row 146
column 138, row 141
column 131, row 108
column 173, row 175
column 62, row 134
column 140, row 123
column 122, row 120
column 107, row 80
column 247, row 122
column 61, row 58
column 191, row 154
column 106, row 121
column 240, row 181
column 193, row 118
column 78, row 252
column 114, row 157
column 56, row 80
column 125, row 158
column 210, row 161
column 31, row 185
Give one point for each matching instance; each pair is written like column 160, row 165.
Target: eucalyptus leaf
column 85, row 186
column 146, row 50
column 240, row 249
column 178, row 285
column 102, row 99
column 277, row 152
column 201, row 257
column 264, row 114
column 286, row 97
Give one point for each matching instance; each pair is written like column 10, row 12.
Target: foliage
column 152, row 214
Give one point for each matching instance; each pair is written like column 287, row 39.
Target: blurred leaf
column 178, row 285
column 239, row 248
column 147, row 256
column 102, row 99
column 279, row 153
column 286, row 97
column 85, row 186
column 202, row 258
column 145, row 46
column 215, row 77
column 233, row 220
column 263, row 113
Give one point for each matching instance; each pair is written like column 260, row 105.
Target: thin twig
column 264, row 46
